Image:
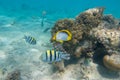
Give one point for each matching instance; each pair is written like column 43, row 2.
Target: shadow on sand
column 107, row 73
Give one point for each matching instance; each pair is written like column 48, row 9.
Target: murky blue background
column 58, row 8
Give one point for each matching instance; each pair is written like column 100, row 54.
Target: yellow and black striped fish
column 54, row 56
column 30, row 40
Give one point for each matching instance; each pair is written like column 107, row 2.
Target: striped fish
column 54, row 56
column 30, row 40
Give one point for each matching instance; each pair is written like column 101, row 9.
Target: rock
column 112, row 62
column 15, row 75
column 109, row 37
column 78, row 52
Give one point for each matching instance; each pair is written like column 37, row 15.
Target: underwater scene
column 59, row 40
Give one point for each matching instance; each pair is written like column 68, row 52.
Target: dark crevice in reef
column 99, row 53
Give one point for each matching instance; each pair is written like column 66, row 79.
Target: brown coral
column 80, row 28
column 108, row 37
column 110, row 63
column 62, row 24
column 91, row 33
column 15, row 75
column 78, row 52
column 76, row 33
column 89, row 19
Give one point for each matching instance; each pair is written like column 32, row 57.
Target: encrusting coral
column 90, row 29
column 111, row 63
column 15, row 75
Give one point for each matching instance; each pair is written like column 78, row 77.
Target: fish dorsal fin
column 27, row 33
column 30, row 34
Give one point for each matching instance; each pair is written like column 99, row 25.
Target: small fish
column 43, row 17
column 54, row 56
column 46, row 30
column 42, row 22
column 30, row 40
column 63, row 35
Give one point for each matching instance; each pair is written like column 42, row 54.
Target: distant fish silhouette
column 42, row 23
column 30, row 40
column 43, row 16
column 46, row 29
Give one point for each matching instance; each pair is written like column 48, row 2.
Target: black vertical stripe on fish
column 30, row 41
column 46, row 56
column 50, row 55
column 33, row 41
column 27, row 38
column 54, row 55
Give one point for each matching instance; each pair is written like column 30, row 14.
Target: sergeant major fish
column 54, row 56
column 30, row 40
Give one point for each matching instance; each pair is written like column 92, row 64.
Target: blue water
column 58, row 8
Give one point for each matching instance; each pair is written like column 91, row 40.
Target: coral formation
column 107, row 36
column 111, row 63
column 80, row 28
column 15, row 75
column 93, row 35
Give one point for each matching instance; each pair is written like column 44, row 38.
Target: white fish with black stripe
column 54, row 56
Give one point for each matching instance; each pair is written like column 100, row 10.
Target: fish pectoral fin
column 65, row 56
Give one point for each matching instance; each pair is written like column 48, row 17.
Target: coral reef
column 15, row 75
column 93, row 35
column 111, row 63
column 89, row 19
column 80, row 28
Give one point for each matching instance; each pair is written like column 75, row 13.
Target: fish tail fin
column 65, row 56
